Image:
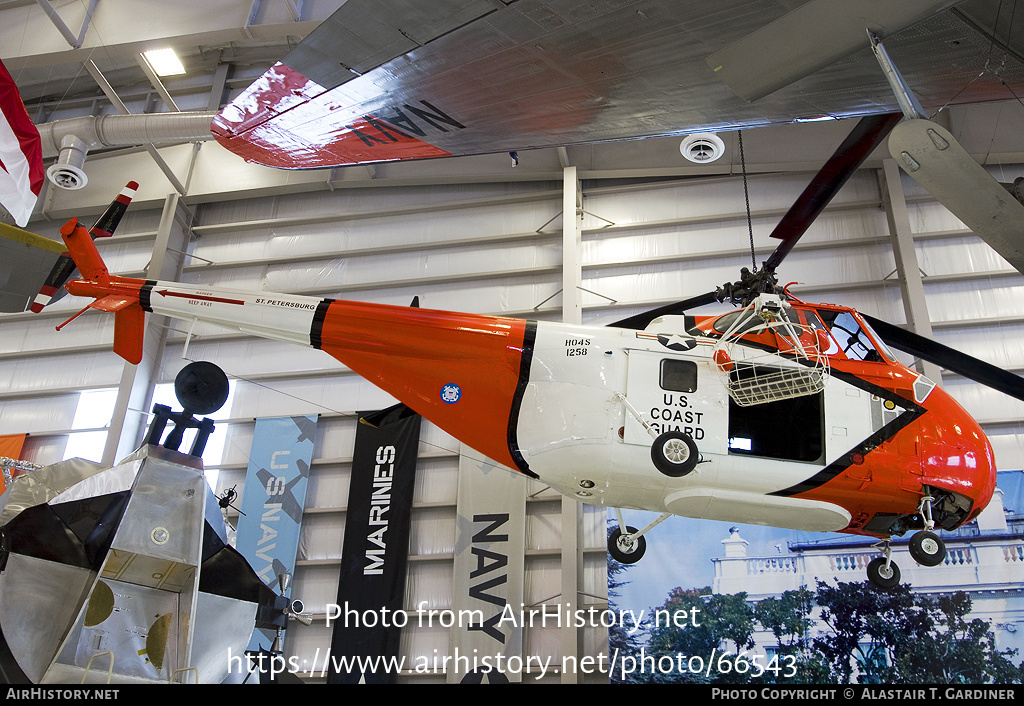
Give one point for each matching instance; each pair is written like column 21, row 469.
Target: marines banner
column 490, row 546
column 273, row 499
column 376, row 547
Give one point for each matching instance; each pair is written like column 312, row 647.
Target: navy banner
column 489, row 573
column 273, row 499
column 376, row 548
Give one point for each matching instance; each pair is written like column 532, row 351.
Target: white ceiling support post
column 911, row 283
column 572, row 511
column 217, row 89
column 135, row 392
column 572, row 235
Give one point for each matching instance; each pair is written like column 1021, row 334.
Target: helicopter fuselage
column 855, row 456
column 579, row 407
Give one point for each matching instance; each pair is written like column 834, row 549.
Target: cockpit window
column 852, row 338
column 881, row 344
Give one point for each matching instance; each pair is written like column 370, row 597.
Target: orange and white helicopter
column 781, row 413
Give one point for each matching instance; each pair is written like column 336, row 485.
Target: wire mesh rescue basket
column 767, row 361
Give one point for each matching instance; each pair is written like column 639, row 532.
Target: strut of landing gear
column 926, row 547
column 674, row 453
column 883, row 571
column 627, row 544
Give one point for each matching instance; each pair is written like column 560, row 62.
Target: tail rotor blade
column 108, row 221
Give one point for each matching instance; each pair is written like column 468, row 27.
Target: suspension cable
column 746, row 197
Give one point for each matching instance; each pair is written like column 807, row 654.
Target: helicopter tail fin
column 118, row 295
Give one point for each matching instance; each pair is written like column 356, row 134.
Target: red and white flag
column 21, row 153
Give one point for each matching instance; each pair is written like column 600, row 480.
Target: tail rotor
column 64, row 269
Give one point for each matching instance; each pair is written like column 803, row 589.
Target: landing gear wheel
column 674, row 454
column 881, row 576
column 927, row 548
column 626, row 549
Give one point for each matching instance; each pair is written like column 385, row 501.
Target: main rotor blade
column 847, row 159
column 640, row 321
column 948, row 358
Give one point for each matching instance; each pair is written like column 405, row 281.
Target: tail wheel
column 626, row 548
column 927, row 548
column 881, row 575
column 674, row 454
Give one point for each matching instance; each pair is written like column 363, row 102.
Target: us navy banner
column 376, row 547
column 273, row 498
column 490, row 539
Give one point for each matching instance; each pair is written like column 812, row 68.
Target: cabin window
column 789, row 430
column 678, row 375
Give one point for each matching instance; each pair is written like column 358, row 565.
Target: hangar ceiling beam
column 218, row 87
column 184, row 25
column 111, row 94
column 154, row 79
column 74, row 41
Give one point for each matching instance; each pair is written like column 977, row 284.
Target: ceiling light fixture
column 164, row 62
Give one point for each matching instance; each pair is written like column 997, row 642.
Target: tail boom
column 465, row 373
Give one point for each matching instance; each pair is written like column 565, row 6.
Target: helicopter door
column 676, row 393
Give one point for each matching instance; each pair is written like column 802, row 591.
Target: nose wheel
column 926, row 547
column 883, row 571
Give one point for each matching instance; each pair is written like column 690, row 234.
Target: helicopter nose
column 984, row 466
column 960, row 456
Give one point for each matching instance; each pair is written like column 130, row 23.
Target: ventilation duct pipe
column 70, row 140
